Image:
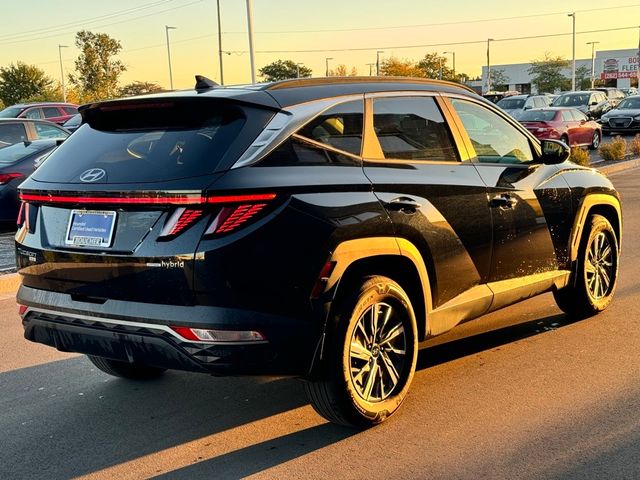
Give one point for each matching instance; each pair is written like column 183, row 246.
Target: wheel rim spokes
column 377, row 352
column 599, row 266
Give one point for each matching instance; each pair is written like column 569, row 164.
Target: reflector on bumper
column 219, row 336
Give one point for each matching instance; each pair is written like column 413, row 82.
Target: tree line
column 96, row 76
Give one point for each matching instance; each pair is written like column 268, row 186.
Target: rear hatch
column 119, row 209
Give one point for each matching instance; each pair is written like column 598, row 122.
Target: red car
column 566, row 124
column 51, row 111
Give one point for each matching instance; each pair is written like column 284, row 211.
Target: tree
column 583, row 77
column 342, row 71
column 499, row 81
column 394, row 67
column 20, row 82
column 283, row 70
column 431, row 64
column 139, row 88
column 547, row 74
column 97, row 70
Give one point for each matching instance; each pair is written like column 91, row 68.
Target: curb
column 619, row 167
column 9, row 283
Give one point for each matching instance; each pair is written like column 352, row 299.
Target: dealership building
column 618, row 68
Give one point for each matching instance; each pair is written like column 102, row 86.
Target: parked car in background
column 73, row 123
column 494, row 96
column 54, row 112
column 592, row 103
column 17, row 162
column 625, row 118
column 518, row 104
column 14, row 130
column 320, row 228
column 630, row 91
column 566, row 124
column 614, row 95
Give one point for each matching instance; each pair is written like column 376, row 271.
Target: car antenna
column 203, row 82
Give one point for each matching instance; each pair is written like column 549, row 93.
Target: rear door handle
column 503, row 201
column 403, row 203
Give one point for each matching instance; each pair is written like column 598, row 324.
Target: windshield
column 144, row 143
column 538, row 116
column 630, row 104
column 571, row 100
column 14, row 153
column 511, row 103
column 11, row 112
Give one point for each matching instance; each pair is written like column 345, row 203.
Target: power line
column 459, row 22
column 105, row 24
column 470, row 42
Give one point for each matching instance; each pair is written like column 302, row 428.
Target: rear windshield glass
column 630, row 104
column 571, row 100
column 14, row 153
column 142, row 143
column 511, row 103
column 537, row 116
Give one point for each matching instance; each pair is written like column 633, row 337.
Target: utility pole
column 298, row 70
column 489, row 40
column 220, row 44
column 440, row 68
column 371, row 65
column 250, row 30
column 64, row 91
column 593, row 62
column 573, row 62
column 326, row 62
column 378, row 62
column 454, row 62
column 166, row 31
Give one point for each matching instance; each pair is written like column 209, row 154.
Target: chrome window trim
column 287, row 122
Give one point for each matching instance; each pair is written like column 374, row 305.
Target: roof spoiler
column 203, row 83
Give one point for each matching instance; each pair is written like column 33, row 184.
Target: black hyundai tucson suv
column 321, row 228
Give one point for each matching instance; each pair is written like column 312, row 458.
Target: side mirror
column 554, row 151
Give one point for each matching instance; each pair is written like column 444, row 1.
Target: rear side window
column 12, row 133
column 567, row 116
column 140, row 142
column 578, row 115
column 33, row 113
column 49, row 131
column 70, row 110
column 332, row 138
column 50, row 112
column 412, row 128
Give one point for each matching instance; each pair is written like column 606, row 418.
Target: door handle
column 403, row 203
column 503, row 201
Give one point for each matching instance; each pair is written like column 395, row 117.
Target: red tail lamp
column 219, row 336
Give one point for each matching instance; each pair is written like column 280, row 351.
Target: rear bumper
column 141, row 333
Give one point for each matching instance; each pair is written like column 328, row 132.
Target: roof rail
column 319, row 81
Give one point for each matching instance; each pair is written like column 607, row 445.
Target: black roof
column 285, row 93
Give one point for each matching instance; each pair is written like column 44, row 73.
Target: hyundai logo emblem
column 92, row 175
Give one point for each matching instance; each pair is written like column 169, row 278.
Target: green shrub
column 635, row 145
column 616, row 150
column 580, row 156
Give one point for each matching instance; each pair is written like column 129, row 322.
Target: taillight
column 219, row 336
column 20, row 219
column 230, row 218
column 180, row 220
column 7, row 177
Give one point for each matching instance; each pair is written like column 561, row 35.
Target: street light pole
column 593, row 62
column 378, row 62
column 326, row 62
column 489, row 64
column 298, row 70
column 250, row 30
column 573, row 62
column 453, row 54
column 440, row 68
column 371, row 65
column 220, row 44
column 166, row 31
column 64, row 91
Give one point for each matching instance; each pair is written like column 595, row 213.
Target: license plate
column 90, row 228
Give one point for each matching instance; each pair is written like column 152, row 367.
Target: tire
column 588, row 292
column 367, row 377
column 595, row 140
column 132, row 371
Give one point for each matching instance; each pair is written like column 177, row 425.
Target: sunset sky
column 32, row 30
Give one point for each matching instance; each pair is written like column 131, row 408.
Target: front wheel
column 591, row 288
column 371, row 356
column 595, row 140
